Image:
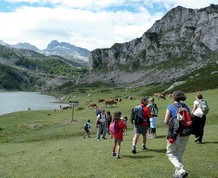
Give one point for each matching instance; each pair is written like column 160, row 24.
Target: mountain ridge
column 175, row 46
column 63, row 49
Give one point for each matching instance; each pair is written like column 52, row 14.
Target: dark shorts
column 86, row 130
column 153, row 130
column 138, row 129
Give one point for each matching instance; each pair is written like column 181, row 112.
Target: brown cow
column 101, row 100
column 92, row 105
column 110, row 102
column 170, row 95
column 162, row 96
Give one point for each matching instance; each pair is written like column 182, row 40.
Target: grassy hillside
column 24, row 69
column 47, row 144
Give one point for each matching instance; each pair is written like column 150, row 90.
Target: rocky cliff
column 176, row 45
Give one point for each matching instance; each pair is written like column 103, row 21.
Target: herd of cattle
column 111, row 102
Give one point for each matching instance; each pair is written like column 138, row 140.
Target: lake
column 21, row 101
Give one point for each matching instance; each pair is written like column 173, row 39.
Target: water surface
column 21, row 101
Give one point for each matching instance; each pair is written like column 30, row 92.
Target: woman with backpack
column 199, row 111
column 176, row 145
column 116, row 127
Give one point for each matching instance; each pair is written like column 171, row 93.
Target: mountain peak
column 25, row 46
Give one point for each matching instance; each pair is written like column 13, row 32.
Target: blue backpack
column 136, row 115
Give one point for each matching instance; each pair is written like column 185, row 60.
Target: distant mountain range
column 65, row 50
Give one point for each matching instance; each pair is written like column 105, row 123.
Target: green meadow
column 49, row 144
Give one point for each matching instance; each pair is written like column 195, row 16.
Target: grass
column 45, row 144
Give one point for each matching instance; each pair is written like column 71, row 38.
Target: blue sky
column 89, row 24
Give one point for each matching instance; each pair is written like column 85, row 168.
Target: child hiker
column 116, row 129
column 87, row 126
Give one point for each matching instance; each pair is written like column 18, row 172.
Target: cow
column 118, row 99
column 131, row 98
column 65, row 107
column 110, row 102
column 101, row 100
column 92, row 105
column 162, row 96
column 157, row 94
column 170, row 95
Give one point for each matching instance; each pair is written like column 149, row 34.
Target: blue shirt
column 173, row 109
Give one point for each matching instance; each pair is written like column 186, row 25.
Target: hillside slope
column 22, row 69
column 177, row 47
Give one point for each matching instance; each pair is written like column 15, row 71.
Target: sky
column 89, row 24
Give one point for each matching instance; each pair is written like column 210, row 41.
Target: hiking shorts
column 138, row 129
column 117, row 141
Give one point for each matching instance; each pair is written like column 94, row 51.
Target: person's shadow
column 215, row 142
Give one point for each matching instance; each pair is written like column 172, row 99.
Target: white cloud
column 85, row 23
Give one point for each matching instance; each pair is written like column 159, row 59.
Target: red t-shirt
column 146, row 114
column 121, row 125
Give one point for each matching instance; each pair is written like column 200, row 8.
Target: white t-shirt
column 102, row 118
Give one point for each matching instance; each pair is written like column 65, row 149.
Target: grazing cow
column 162, row 96
column 131, row 98
column 101, row 100
column 118, row 99
column 157, row 94
column 110, row 102
column 92, row 105
column 170, row 95
column 65, row 107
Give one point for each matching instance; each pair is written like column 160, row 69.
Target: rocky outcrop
column 174, row 46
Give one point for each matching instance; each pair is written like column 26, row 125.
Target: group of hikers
column 181, row 121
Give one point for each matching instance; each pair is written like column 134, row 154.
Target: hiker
column 199, row 118
column 87, row 126
column 176, row 147
column 97, row 110
column 141, row 128
column 152, row 122
column 101, row 125
column 117, row 132
column 108, row 121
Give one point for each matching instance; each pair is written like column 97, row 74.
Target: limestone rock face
column 174, row 46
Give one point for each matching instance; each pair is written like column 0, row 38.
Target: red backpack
column 185, row 121
column 181, row 123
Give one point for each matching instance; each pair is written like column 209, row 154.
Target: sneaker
column 113, row 154
column 144, row 147
column 118, row 156
column 84, row 137
column 183, row 175
column 134, row 150
column 98, row 139
column 103, row 137
column 197, row 139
